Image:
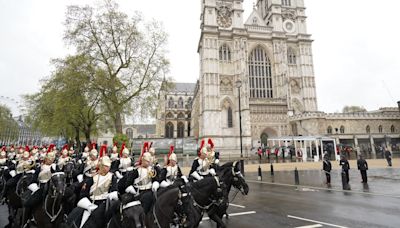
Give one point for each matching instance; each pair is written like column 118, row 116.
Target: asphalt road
column 274, row 205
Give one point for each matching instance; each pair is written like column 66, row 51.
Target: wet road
column 276, row 205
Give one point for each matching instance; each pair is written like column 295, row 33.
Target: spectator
column 363, row 167
column 388, row 156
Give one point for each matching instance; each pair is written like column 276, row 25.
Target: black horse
column 212, row 193
column 130, row 214
column 50, row 211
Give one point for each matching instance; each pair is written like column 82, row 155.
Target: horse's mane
column 202, row 183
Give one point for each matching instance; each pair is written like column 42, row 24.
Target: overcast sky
column 356, row 45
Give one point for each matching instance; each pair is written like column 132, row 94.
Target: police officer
column 363, row 167
column 388, row 156
column 345, row 166
column 327, row 167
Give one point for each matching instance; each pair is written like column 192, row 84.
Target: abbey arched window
column 129, row 133
column 169, row 130
column 181, row 116
column 286, row 2
column 230, row 119
column 224, row 53
column 368, row 129
column 291, row 56
column 341, row 129
column 171, row 103
column 180, row 102
column 380, row 129
column 181, row 130
column 329, row 130
column 170, row 116
column 392, row 129
column 260, row 77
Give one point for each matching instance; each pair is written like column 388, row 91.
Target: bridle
column 53, row 195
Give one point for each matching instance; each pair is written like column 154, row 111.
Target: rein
column 213, row 201
column 53, row 216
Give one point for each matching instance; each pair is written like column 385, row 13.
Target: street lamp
column 238, row 85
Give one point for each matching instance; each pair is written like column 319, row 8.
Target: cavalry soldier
column 91, row 163
column 125, row 162
column 71, row 152
column 11, row 153
column 142, row 180
column 152, row 152
column 201, row 165
column 45, row 169
column 114, row 156
column 85, row 153
column 3, row 157
column 64, row 157
column 171, row 171
column 212, row 156
column 94, row 193
column 25, row 164
column 42, row 153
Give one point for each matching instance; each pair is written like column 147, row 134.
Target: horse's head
column 231, row 172
column 131, row 211
column 57, row 184
column 68, row 168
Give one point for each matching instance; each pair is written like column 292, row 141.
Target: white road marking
column 310, row 226
column 326, row 189
column 314, row 221
column 236, row 205
column 233, row 214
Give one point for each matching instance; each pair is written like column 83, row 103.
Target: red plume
column 50, row 148
column 171, row 150
column 65, row 147
column 115, row 144
column 27, row 148
column 103, row 150
column 211, row 143
column 201, row 144
column 122, row 148
column 3, row 148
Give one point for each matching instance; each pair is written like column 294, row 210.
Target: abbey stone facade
column 270, row 54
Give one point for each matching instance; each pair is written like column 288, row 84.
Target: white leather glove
column 33, row 187
column 13, row 161
column 164, row 184
column 5, row 167
column 118, row 175
column 13, row 173
column 129, row 169
column 212, row 172
column 155, row 186
column 80, row 178
column 86, row 204
column 113, row 195
column 79, row 162
column 196, row 175
column 131, row 190
column 216, row 161
column 185, row 179
column 53, row 166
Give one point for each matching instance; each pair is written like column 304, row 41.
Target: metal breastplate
column 203, row 166
column 172, row 173
column 125, row 163
column 3, row 161
column 45, row 173
column 99, row 189
column 144, row 180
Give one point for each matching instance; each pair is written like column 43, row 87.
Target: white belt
column 203, row 173
column 99, row 197
column 144, row 187
column 131, row 204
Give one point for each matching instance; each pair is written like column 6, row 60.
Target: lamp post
column 239, row 85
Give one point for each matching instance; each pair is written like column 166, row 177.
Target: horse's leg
column 217, row 219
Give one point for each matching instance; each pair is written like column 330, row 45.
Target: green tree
column 8, row 126
column 352, row 109
column 67, row 104
column 130, row 52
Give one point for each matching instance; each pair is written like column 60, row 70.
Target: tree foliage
column 8, row 126
column 353, row 109
column 67, row 105
column 129, row 52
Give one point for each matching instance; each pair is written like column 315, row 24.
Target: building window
column 380, row 129
column 181, row 116
column 230, row 122
column 129, row 133
column 286, row 2
column 291, row 57
column 260, row 77
column 341, row 129
column 180, row 103
column 392, row 129
column 171, row 103
column 329, row 130
column 169, row 130
column 188, row 134
column 255, row 21
column 224, row 53
column 170, row 116
column 181, row 130
column 368, row 129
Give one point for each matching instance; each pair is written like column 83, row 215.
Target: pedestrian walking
column 327, row 167
column 388, row 156
column 345, row 166
column 259, row 153
column 363, row 167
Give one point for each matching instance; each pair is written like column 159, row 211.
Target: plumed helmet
column 115, row 148
column 152, row 151
column 173, row 157
column 3, row 153
column 105, row 161
column 26, row 154
column 147, row 157
column 203, row 151
column 86, row 149
column 125, row 151
column 94, row 152
column 50, row 155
